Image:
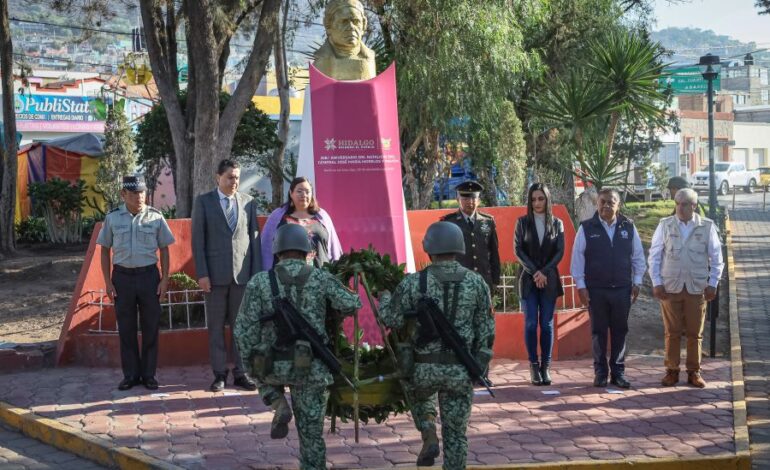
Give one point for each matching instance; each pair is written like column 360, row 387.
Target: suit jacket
column 535, row 256
column 222, row 255
column 481, row 248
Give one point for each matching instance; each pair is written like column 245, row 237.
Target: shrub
column 32, row 230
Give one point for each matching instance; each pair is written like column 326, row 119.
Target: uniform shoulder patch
column 152, row 209
column 114, row 210
column 485, row 215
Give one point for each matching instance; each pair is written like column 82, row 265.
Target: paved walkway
column 18, row 452
column 751, row 236
column 194, row 428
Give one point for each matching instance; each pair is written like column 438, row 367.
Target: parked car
column 727, row 175
column 764, row 176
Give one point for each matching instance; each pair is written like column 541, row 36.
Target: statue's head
column 345, row 23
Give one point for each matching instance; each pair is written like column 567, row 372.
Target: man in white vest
column 685, row 266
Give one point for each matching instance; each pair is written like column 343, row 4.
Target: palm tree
column 619, row 80
column 628, row 66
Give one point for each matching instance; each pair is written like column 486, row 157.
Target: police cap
column 443, row 238
column 469, row 188
column 134, row 183
column 291, row 237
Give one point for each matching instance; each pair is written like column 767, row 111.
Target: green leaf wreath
column 379, row 391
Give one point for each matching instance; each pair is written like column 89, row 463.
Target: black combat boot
column 430, row 449
column 280, row 426
column 545, row 373
column 534, row 374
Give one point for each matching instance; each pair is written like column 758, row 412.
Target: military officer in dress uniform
column 479, row 233
column 131, row 235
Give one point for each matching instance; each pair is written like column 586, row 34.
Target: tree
column 619, row 80
column 118, row 159
column 255, row 135
column 203, row 132
column 764, row 7
column 456, row 62
column 9, row 145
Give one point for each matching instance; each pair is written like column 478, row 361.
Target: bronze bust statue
column 343, row 55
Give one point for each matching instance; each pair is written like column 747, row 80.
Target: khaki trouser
column 683, row 312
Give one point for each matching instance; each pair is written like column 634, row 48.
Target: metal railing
column 167, row 307
column 565, row 302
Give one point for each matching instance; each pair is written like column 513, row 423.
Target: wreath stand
column 379, row 389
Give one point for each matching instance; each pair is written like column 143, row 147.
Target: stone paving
column 18, row 452
column 192, row 427
column 751, row 232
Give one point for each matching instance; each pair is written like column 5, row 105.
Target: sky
column 738, row 19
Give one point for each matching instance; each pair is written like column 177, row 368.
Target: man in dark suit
column 481, row 254
column 226, row 248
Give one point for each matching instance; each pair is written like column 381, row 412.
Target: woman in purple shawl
column 303, row 209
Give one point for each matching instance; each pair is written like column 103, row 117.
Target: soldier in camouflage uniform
column 310, row 290
column 464, row 299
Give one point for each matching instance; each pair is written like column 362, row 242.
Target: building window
column 763, row 76
column 739, row 99
column 765, row 96
column 759, row 157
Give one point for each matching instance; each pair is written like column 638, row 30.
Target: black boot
column 534, row 374
column 280, row 425
column 545, row 373
column 430, row 449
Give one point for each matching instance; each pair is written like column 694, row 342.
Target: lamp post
column 709, row 68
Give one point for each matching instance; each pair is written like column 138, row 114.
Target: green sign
column 688, row 81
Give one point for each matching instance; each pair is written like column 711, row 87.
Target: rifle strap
column 298, row 281
column 448, row 281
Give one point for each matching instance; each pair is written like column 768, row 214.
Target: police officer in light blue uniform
column 130, row 239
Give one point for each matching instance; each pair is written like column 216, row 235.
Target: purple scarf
column 271, row 225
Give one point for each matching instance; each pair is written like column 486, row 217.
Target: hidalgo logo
column 349, row 144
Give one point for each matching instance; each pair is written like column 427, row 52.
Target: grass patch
column 646, row 216
column 446, row 204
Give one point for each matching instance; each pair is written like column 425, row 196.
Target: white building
column 752, row 143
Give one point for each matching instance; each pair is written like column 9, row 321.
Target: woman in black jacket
column 539, row 246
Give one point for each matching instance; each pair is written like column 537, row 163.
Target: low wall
column 79, row 344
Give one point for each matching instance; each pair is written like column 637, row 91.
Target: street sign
column 687, row 81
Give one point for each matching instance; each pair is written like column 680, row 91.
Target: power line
column 59, row 59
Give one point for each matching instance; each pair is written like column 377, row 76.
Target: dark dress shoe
column 150, row 383
column 620, row 381
column 245, row 383
column 600, row 381
column 218, row 384
column 127, row 383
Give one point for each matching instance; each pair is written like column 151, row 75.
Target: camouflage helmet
column 677, row 182
column 443, row 238
column 291, row 237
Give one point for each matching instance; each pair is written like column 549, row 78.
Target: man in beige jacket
column 685, row 266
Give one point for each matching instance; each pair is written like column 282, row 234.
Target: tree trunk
column 203, row 52
column 160, row 36
column 628, row 162
column 282, row 78
column 410, row 181
column 8, row 172
column 611, row 131
column 432, row 152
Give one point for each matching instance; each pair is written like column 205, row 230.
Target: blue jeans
column 538, row 308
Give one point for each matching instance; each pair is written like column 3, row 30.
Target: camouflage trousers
column 454, row 404
column 308, row 403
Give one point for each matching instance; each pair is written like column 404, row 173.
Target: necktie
column 470, row 223
column 230, row 214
